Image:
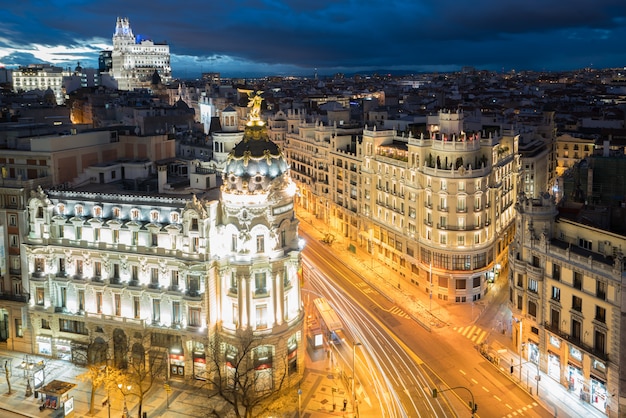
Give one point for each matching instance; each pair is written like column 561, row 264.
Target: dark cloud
column 338, row 34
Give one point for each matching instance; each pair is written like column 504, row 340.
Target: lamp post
column 521, row 347
column 128, row 388
column 354, row 407
column 430, row 298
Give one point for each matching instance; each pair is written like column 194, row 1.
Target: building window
column 601, row 290
column 532, row 285
column 555, row 318
column 116, row 212
column 233, row 242
column 154, row 216
column 40, row 296
column 79, row 268
column 261, row 316
column 577, row 304
column 81, row 300
column 260, row 282
column 134, row 214
column 233, row 283
column 519, row 302
column 194, row 317
column 174, row 279
column 99, row 302
column 476, row 281
column 45, row 324
column 578, row 280
column 520, row 280
column 118, row 304
column 154, row 276
column 176, row 313
column 461, row 284
column 532, row 309
column 576, row 327
column 600, row 314
column 556, row 271
column 97, row 269
column 136, row 307
column 75, row 327
column 14, row 241
column 260, row 244
column 583, row 243
column 556, row 294
column 39, row 265
column 12, row 220
column 599, row 341
column 156, row 310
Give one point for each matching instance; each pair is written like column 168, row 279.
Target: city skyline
column 300, row 38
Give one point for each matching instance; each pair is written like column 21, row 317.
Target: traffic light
column 434, row 393
column 473, row 407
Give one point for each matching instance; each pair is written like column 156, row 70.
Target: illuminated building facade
column 134, row 58
column 102, row 267
column 41, row 77
column 566, row 285
column 437, row 208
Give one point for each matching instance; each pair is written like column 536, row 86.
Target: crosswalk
column 521, row 411
column 472, row 332
column 399, row 312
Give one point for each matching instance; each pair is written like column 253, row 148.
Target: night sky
column 277, row 37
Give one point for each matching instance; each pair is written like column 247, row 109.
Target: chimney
column 162, row 177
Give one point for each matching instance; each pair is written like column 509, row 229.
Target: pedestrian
column 345, row 404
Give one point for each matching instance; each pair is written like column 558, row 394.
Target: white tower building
column 134, row 58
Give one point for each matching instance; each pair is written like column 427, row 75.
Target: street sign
column 167, row 388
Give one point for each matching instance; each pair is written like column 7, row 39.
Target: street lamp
column 354, row 407
column 128, row 388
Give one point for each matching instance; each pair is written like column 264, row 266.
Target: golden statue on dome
column 254, row 101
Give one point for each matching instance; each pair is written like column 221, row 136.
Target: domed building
column 213, row 282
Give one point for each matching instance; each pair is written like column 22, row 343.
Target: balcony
column 15, row 298
column 577, row 342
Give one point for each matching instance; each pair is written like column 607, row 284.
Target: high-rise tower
column 135, row 58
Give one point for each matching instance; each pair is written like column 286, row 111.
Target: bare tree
column 243, row 372
column 147, row 366
column 7, row 374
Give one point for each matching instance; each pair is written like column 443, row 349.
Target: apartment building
column 437, row 209
column 41, row 77
column 565, row 283
column 571, row 149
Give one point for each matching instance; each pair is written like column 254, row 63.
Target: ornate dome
column 255, row 161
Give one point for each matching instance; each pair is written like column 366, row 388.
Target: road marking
column 398, row 311
column 498, row 399
column 485, row 389
column 474, row 333
column 462, row 372
column 508, row 406
column 474, row 381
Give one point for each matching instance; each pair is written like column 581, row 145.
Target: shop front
column 199, row 362
column 63, row 349
column 575, row 380
column 599, row 395
column 533, row 352
column 554, row 366
column 44, row 345
column 177, row 363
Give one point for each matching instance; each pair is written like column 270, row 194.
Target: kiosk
column 56, row 395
